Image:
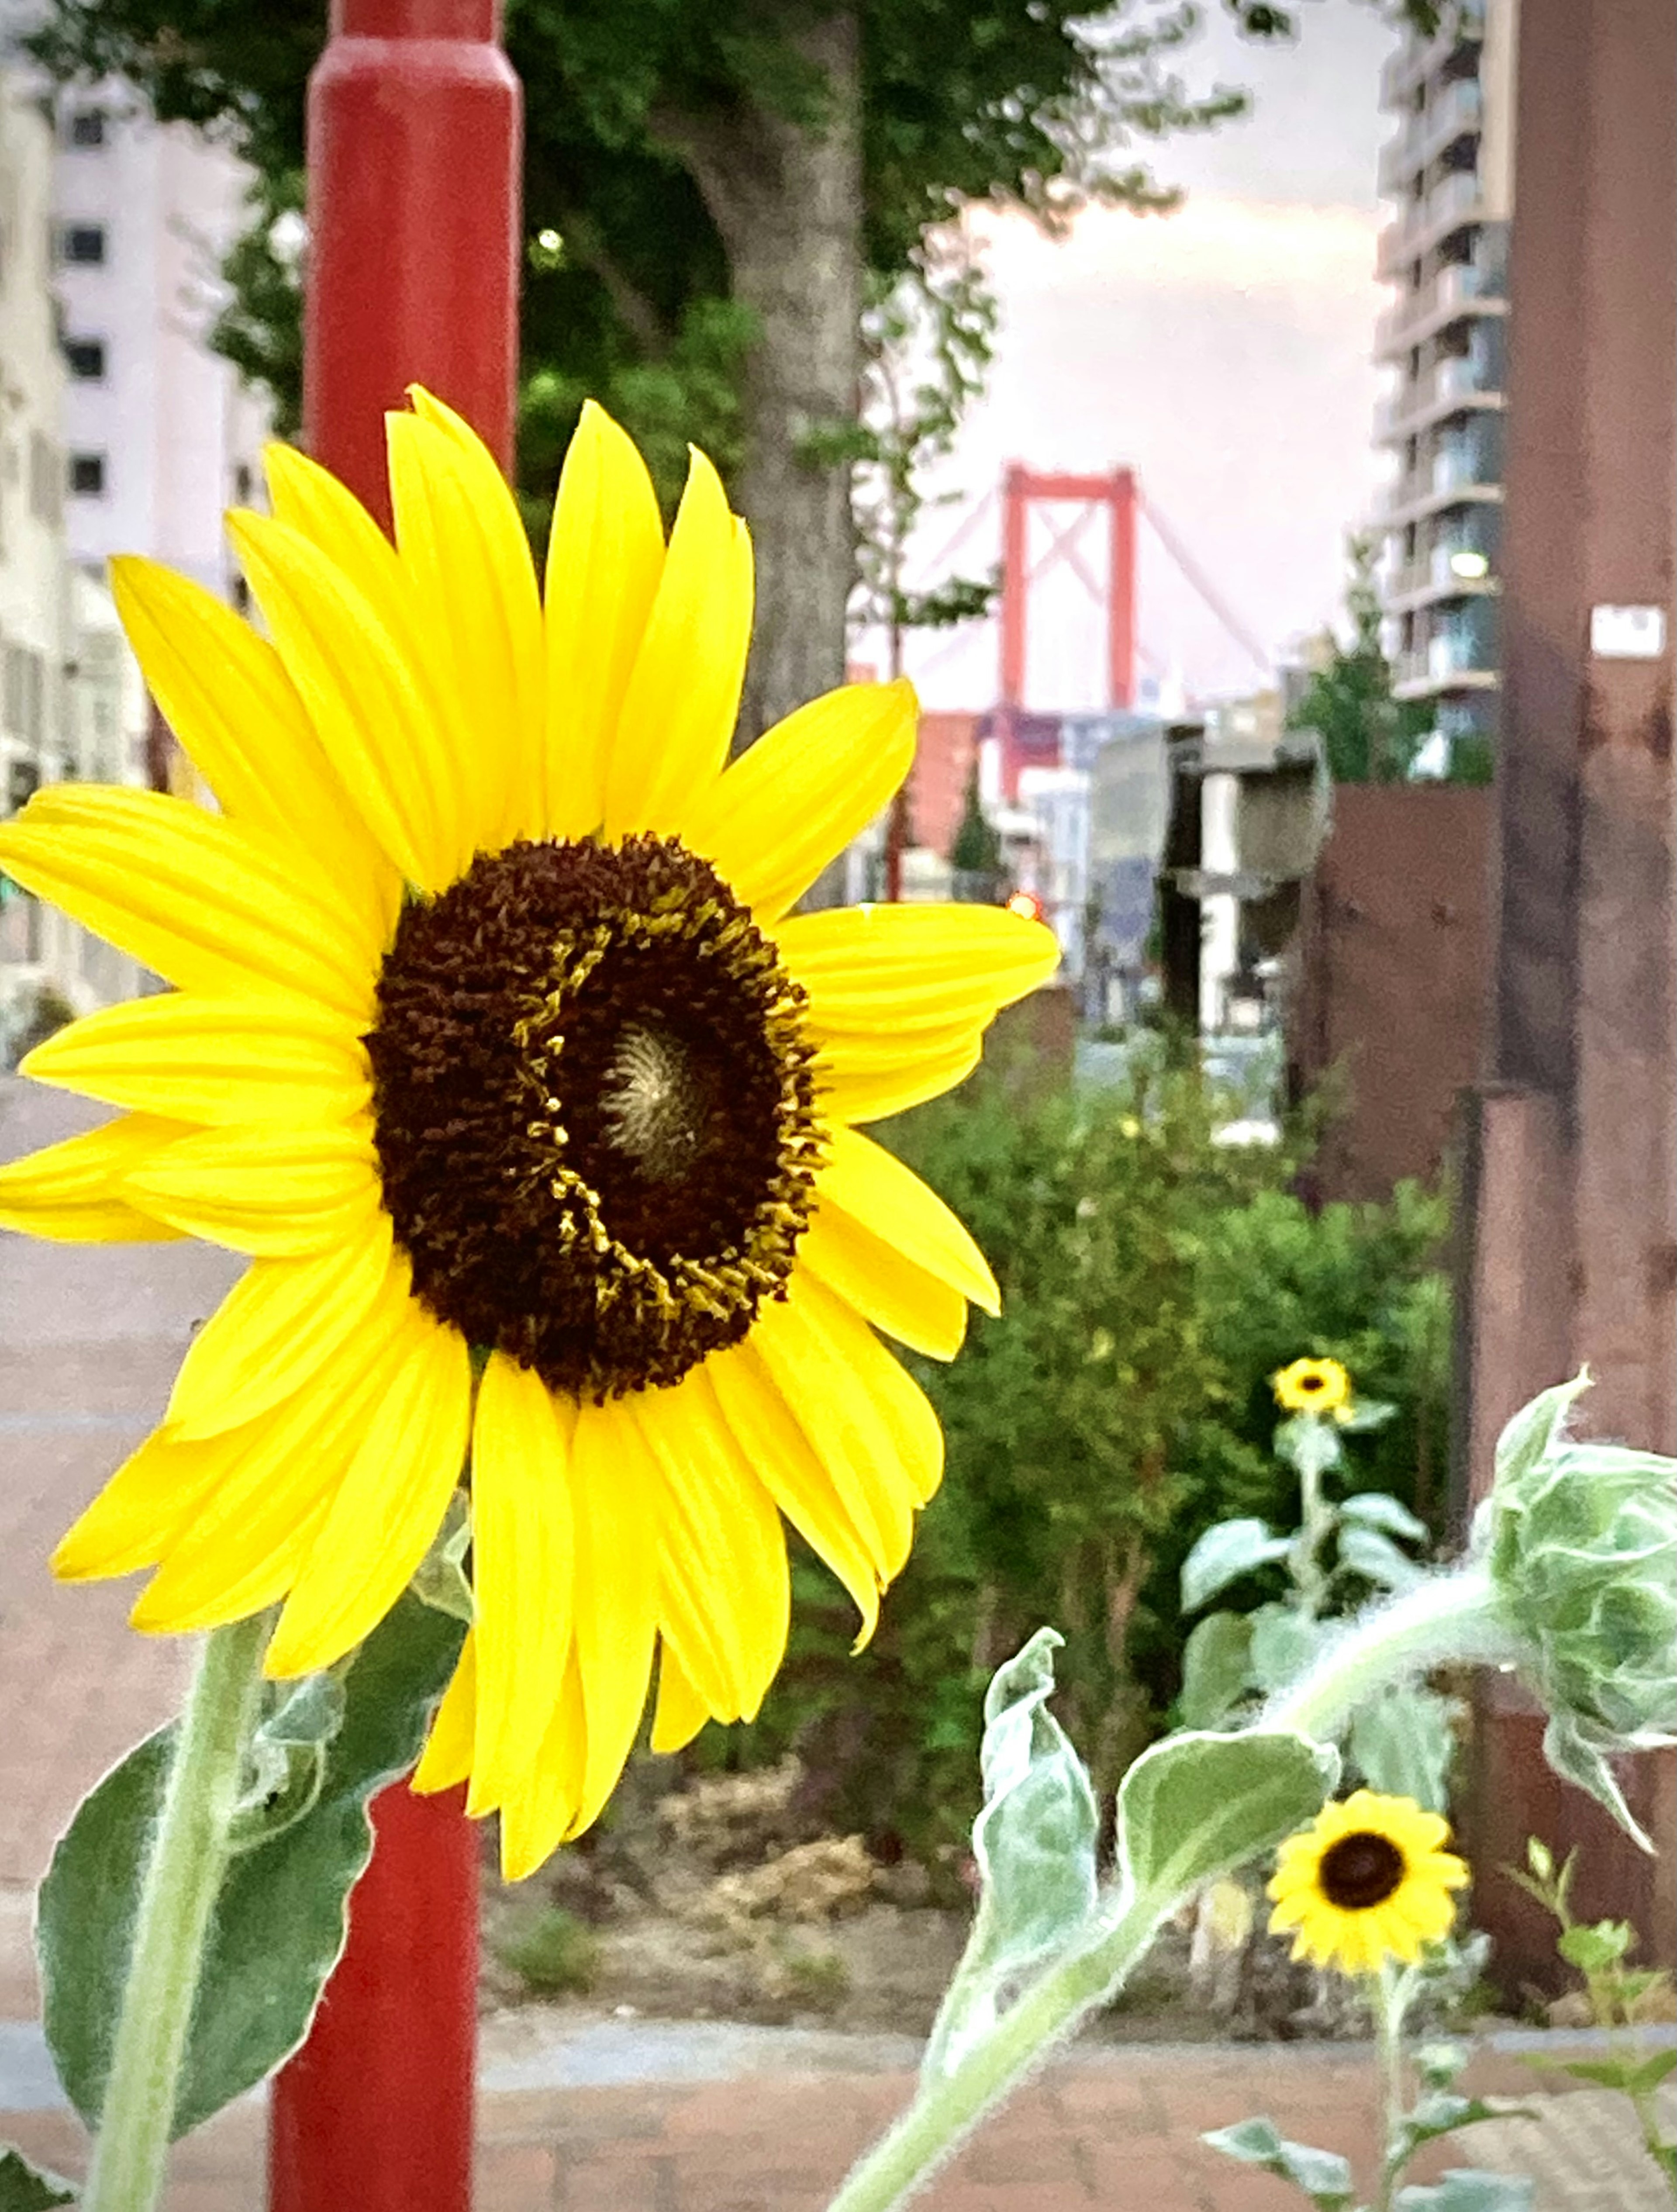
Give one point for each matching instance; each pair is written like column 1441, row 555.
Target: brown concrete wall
column 1393, row 976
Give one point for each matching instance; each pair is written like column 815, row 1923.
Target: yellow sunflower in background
column 1368, row 1881
column 496, row 1045
column 1312, row 1386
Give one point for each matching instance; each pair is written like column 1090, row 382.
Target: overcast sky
column 1224, row 352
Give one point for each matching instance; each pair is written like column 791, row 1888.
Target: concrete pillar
column 1572, row 1245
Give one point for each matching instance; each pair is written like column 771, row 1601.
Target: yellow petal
column 928, row 967
column 69, row 1191
column 523, row 1547
column 679, row 710
column 725, row 1594
column 282, row 1322
column 871, row 1186
column 876, row 1078
column 365, row 696
column 446, row 1760
column 388, row 1507
column 227, row 699
column 842, row 1384
column 680, row 1712
column 617, row 1496
column 222, row 1510
column 275, row 1192
column 605, row 556
column 212, row 906
column 213, row 1060
column 546, row 1809
column 151, row 1498
column 803, row 791
column 884, row 1288
column 791, row 1471
column 466, row 558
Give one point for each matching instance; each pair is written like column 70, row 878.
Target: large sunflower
column 1368, row 1881
column 494, row 1043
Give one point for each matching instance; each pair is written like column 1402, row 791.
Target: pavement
column 577, row 2113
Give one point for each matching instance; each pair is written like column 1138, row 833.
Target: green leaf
column 1403, row 1744
column 441, row 1579
column 1577, row 1759
column 1364, row 1413
column 1647, row 2077
column 1322, row 2175
column 1197, row 1805
column 1369, row 1553
column 1467, row 2189
column 1311, row 1442
column 1224, row 1554
column 1443, row 2113
column 1439, row 2064
column 1591, row 1948
column 1284, row 1643
column 1378, row 1509
column 1035, row 1845
column 1217, row 1668
column 288, row 1762
column 1609, row 2073
column 27, row 2188
column 279, row 1921
column 1535, row 1430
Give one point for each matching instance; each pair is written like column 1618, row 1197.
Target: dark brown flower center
column 593, row 1110
column 1360, row 1871
column 1312, row 1382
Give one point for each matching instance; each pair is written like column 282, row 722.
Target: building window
column 84, row 244
column 87, row 475
column 86, row 359
column 86, row 128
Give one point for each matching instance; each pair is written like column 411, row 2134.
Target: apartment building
column 1449, row 171
column 161, row 438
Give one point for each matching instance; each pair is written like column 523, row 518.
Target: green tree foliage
column 1370, row 736
column 1033, row 103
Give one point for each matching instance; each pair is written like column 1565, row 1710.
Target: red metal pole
column 415, row 156
column 1121, row 609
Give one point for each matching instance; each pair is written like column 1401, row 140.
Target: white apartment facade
column 1450, row 170
column 160, row 436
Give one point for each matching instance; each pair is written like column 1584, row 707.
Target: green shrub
column 1153, row 1281
column 554, row 1951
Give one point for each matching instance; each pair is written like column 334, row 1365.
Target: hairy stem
column 188, row 1859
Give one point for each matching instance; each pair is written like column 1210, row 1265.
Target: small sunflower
column 1312, row 1386
column 495, row 1045
column 1366, row 1881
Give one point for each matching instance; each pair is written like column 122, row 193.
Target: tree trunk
column 786, row 199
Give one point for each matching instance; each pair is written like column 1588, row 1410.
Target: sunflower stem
column 1390, row 1996
column 947, row 2111
column 183, row 1877
column 1446, row 1619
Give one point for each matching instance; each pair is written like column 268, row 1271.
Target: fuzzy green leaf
column 1467, row 2189
column 1217, row 1669
column 1322, row 2175
column 1577, row 1759
column 1378, row 1509
column 279, row 1921
column 1197, row 1805
column 1284, row 1643
column 1034, row 1846
column 1224, row 1554
column 1372, row 1554
column 25, row 2187
column 1403, row 1744
column 1590, row 1948
column 1535, row 1430
column 1442, row 2113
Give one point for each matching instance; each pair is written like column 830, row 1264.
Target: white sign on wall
column 1627, row 633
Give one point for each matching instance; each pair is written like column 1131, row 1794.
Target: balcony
column 1413, row 63
column 1462, row 289
column 1438, row 579
column 1456, row 386
column 1450, row 206
column 1455, row 113
column 1452, row 661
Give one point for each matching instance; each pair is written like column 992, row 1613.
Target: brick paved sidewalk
column 1101, row 2128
